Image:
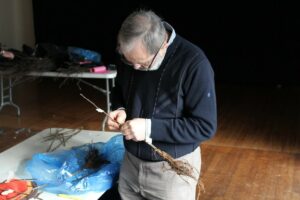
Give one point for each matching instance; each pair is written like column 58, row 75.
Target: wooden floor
column 254, row 155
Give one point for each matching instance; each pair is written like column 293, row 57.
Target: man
column 164, row 95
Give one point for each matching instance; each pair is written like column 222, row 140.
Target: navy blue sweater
column 179, row 98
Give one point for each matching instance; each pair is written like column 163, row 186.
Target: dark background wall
column 247, row 42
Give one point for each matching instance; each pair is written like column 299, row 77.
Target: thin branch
column 89, row 101
column 97, row 108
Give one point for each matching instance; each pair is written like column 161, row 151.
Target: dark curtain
column 246, row 42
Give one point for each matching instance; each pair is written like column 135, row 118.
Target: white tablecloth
column 13, row 159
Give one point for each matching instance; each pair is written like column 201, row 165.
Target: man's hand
column 7, row 54
column 134, row 129
column 116, row 119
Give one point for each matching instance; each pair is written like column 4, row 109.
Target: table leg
column 107, row 96
column 6, row 94
column 107, row 102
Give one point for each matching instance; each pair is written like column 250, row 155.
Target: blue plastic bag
column 65, row 172
column 80, row 54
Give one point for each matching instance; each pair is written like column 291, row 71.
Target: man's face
column 140, row 59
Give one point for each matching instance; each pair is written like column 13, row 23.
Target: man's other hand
column 116, row 119
column 134, row 129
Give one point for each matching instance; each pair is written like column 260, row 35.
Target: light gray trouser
column 154, row 180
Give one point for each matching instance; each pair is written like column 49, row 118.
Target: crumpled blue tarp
column 63, row 171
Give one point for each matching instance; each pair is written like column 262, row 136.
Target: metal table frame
column 8, row 81
column 6, row 86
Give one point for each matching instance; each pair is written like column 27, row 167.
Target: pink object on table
column 98, row 69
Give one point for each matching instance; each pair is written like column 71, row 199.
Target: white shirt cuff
column 148, row 139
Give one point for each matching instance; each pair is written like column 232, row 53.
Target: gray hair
column 142, row 25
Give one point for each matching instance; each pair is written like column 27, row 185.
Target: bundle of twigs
column 22, row 64
column 182, row 168
column 62, row 136
column 94, row 160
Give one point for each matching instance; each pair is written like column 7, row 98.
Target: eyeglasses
column 125, row 61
